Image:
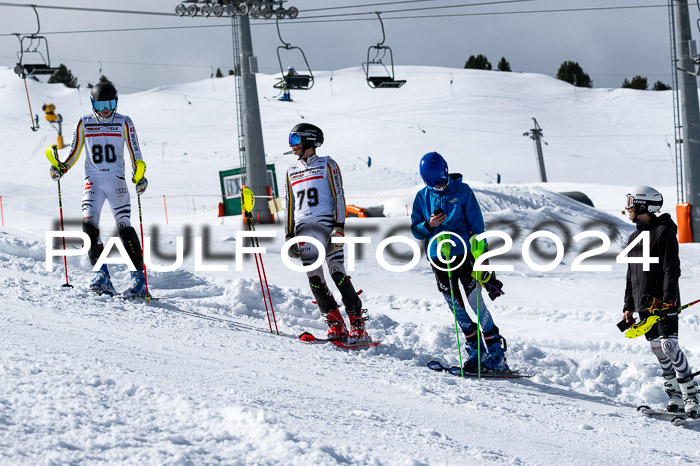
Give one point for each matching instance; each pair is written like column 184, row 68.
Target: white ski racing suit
column 315, row 204
column 105, row 177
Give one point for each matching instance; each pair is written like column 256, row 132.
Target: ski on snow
column 677, row 419
column 113, row 294
column 306, row 337
column 454, row 370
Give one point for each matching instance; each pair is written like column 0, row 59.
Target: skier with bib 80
column 104, row 133
column 656, row 291
column 315, row 207
column 446, row 203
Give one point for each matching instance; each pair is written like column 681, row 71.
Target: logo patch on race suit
column 88, row 185
column 452, row 201
column 121, row 190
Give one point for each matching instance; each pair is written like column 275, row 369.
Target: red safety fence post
column 165, row 206
column 2, row 215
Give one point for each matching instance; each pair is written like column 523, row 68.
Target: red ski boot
column 336, row 326
column 357, row 329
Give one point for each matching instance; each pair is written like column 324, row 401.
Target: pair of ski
column 677, row 419
column 125, row 298
column 306, row 337
column 456, row 370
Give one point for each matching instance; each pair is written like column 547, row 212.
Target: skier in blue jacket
column 449, row 204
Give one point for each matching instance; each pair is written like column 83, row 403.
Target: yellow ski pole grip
column 52, row 156
column 139, row 171
column 247, row 199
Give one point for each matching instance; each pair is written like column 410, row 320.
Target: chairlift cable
column 313, row 19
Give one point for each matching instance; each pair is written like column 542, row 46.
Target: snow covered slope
column 197, row 377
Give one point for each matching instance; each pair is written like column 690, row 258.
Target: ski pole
column 248, row 199
column 248, row 202
column 139, row 172
column 443, row 242
column 63, row 238
column 52, row 156
column 478, row 327
column 143, row 257
column 640, row 328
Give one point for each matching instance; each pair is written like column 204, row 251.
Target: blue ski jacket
column 459, row 204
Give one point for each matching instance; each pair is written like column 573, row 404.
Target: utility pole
column 690, row 113
column 250, row 144
column 536, row 135
column 256, row 170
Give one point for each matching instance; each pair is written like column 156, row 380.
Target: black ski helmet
column 645, row 200
column 103, row 91
column 309, row 135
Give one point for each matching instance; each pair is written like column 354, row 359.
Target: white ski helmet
column 645, row 200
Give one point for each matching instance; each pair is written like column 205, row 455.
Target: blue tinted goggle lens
column 100, row 105
column 294, row 139
column 441, row 182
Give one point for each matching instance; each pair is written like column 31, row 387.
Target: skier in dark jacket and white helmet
column 656, row 292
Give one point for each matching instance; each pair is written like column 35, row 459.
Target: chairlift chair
column 24, row 69
column 300, row 82
column 387, row 80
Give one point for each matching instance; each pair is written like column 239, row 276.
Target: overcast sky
column 609, row 44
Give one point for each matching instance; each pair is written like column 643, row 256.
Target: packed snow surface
column 198, row 378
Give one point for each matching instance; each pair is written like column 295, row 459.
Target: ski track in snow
column 197, row 377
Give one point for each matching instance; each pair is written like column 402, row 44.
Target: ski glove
column 55, row 173
column 293, row 251
column 493, row 286
column 338, row 232
column 654, row 306
column 141, row 186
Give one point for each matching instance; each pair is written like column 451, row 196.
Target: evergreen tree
column 103, row 79
column 64, row 76
column 219, row 74
column 479, row 62
column 572, row 73
column 661, row 86
column 638, row 82
column 503, row 65
column 230, row 72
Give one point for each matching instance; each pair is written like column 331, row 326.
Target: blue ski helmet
column 433, row 170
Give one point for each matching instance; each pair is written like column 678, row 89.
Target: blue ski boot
column 101, row 282
column 496, row 359
column 138, row 285
column 472, row 349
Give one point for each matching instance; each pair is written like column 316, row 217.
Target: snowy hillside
column 197, row 378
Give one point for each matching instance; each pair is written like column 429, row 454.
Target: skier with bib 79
column 104, row 133
column 315, row 207
column 446, row 203
column 656, row 292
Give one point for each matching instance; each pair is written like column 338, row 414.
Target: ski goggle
column 294, row 139
column 630, row 202
column 441, row 184
column 100, row 105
